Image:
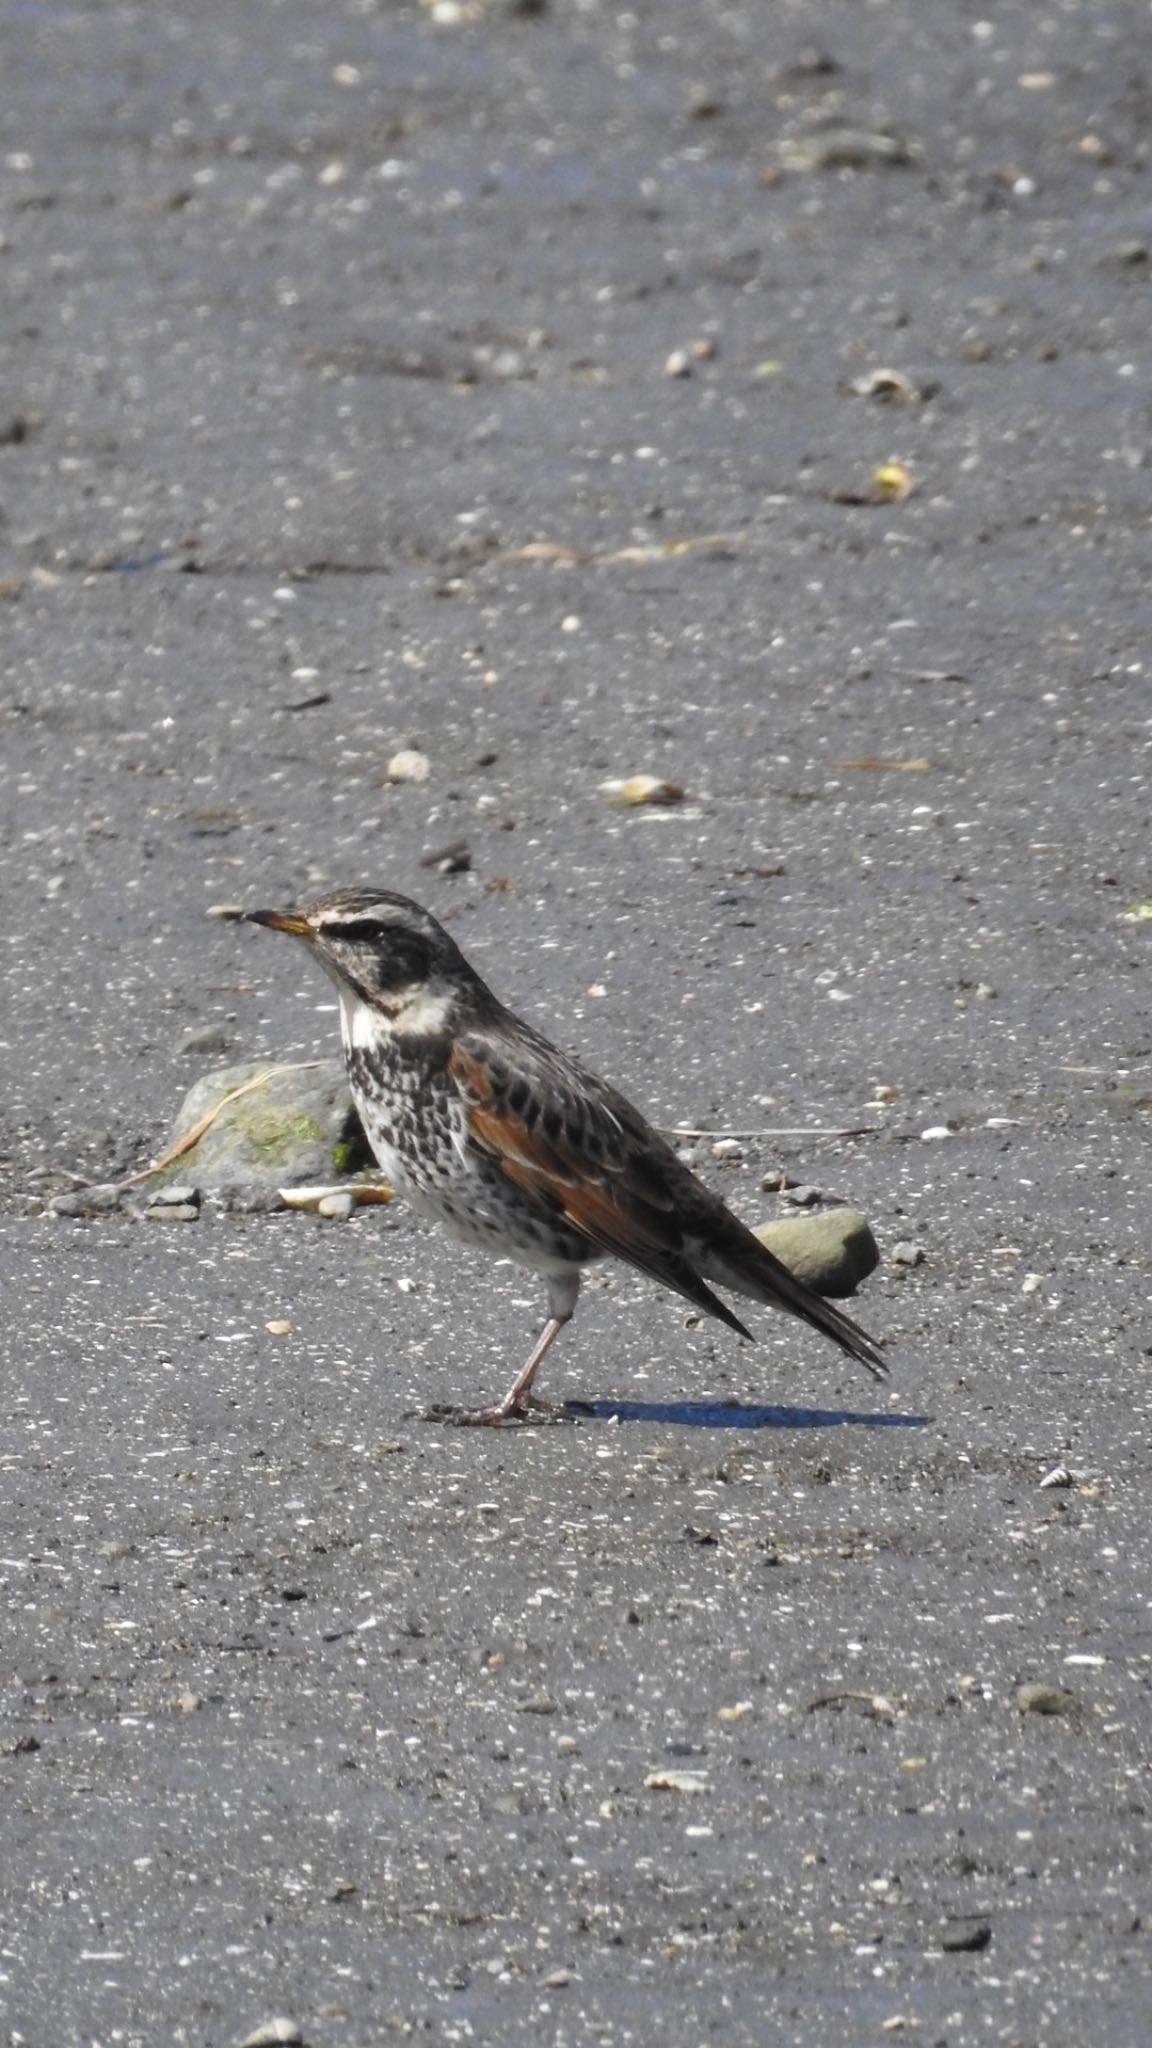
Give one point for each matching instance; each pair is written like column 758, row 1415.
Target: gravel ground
column 315, row 319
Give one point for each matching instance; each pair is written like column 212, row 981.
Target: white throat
column 411, row 1013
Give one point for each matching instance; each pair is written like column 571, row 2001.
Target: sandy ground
column 315, row 318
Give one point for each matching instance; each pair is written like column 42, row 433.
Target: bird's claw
column 507, row 1415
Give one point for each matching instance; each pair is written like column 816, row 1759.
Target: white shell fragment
column 639, row 789
column 676, row 1781
column 272, row 2031
column 887, row 384
column 314, row 1198
column 409, row 765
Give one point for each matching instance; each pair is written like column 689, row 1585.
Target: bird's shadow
column 738, row 1415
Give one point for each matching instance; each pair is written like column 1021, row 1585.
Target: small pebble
column 906, row 1254
column 408, row 765
column 727, row 1148
column 801, row 1197
column 1045, row 1699
column 173, row 1212
column 935, row 1132
column 279, row 1328
column 95, row 1201
column 966, row 1937
column 246, row 1198
column 337, row 1207
column 176, row 1195
column 209, row 1038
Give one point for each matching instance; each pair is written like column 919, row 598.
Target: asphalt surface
column 314, row 319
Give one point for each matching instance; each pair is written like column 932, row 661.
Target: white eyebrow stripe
column 353, row 917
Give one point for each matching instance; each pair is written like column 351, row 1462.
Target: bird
column 487, row 1128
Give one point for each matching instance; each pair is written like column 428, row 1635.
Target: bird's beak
column 281, row 921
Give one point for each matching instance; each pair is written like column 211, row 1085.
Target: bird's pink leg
column 518, row 1404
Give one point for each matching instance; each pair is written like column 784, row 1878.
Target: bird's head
column 383, row 952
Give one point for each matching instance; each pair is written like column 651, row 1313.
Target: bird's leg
column 519, row 1403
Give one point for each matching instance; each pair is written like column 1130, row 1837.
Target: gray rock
column 273, row 2031
column 965, row 1937
column 95, row 1201
column 207, row 1038
column 173, row 1212
column 298, row 1124
column 906, row 1254
column 833, row 1250
column 173, row 1195
column 244, row 1198
column 1045, row 1699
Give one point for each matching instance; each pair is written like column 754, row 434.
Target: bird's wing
column 581, row 1152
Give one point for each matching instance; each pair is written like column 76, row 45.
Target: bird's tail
column 747, row 1267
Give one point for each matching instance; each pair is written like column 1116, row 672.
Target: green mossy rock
column 832, row 1249
column 297, row 1125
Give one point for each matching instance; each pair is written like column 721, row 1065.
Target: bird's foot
column 506, row 1414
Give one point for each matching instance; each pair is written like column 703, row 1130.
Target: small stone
column 177, row 1195
column 1132, row 254
column 95, row 1201
column 279, row 1327
column 679, row 364
column 173, row 1212
column 727, row 1148
column 337, row 1207
column 800, row 1197
column 246, row 1198
column 935, row 1133
column 271, row 2032
column 409, row 765
column 209, row 1038
column 965, row 1937
column 906, row 1254
column 540, row 1703
column 1046, row 1699
column 556, row 1980
column 833, row 1250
